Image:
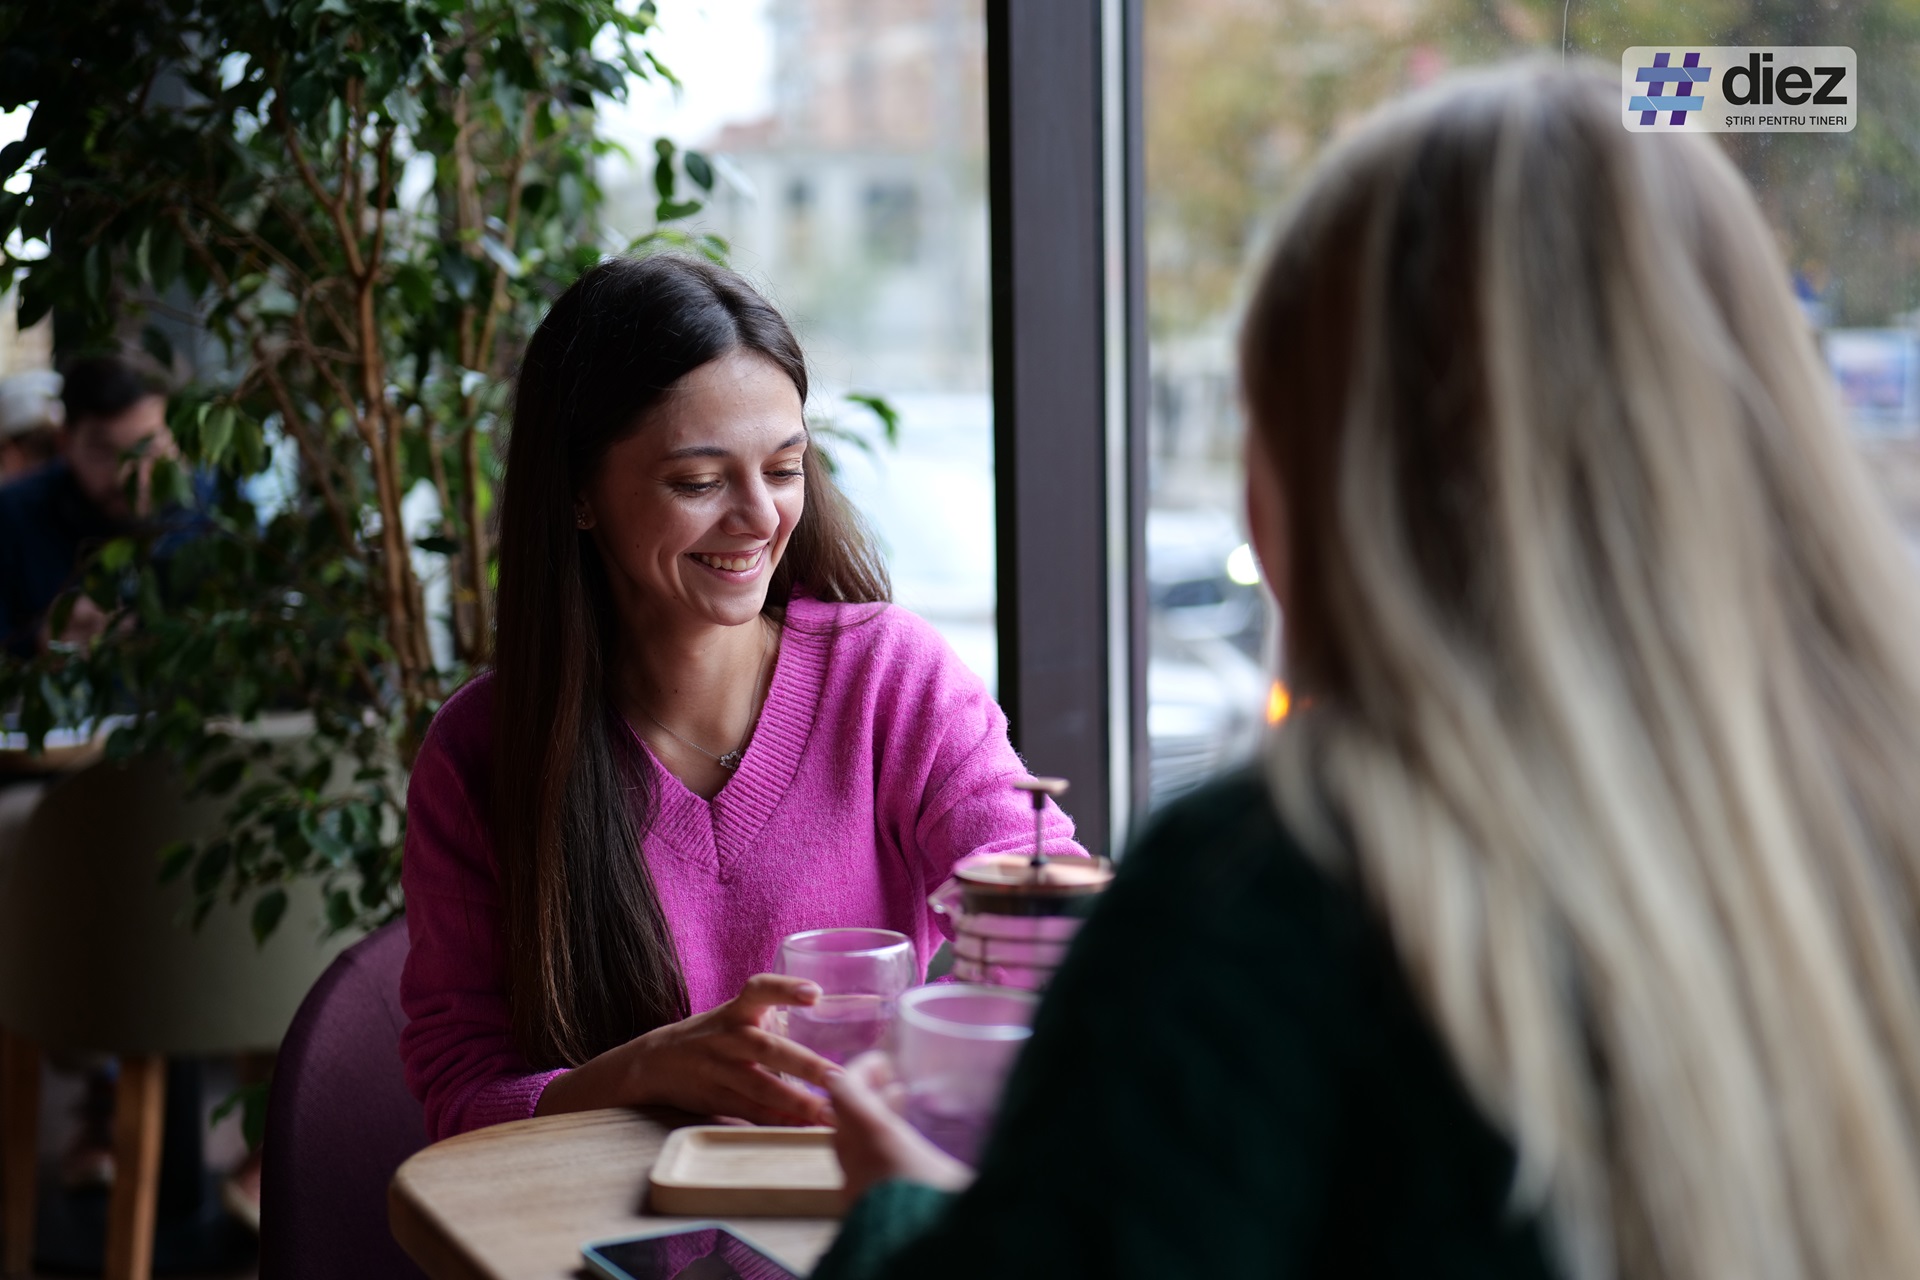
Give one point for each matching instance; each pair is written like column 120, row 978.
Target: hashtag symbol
column 1657, row 99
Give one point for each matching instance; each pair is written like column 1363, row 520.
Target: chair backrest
column 340, row 1120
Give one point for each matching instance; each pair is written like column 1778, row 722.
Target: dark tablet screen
column 703, row 1253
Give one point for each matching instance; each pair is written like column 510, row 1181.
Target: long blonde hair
column 1612, row 664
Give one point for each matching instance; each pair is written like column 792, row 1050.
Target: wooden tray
column 717, row 1170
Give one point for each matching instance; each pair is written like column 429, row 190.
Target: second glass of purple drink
column 860, row 973
column 955, row 1046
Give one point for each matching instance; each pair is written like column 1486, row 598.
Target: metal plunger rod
column 1040, row 789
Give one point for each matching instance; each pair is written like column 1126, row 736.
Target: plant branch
column 476, row 531
column 322, row 366
column 386, row 192
column 317, row 189
column 299, row 228
column 352, row 148
column 303, row 438
column 198, row 248
column 463, row 643
column 299, row 281
column 483, row 348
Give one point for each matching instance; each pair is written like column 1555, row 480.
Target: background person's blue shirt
column 47, row 527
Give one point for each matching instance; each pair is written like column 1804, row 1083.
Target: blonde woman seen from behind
column 1611, row 710
column 1615, row 687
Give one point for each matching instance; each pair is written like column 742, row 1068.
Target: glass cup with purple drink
column 860, row 973
column 953, row 1048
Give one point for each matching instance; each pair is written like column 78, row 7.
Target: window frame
column 1065, row 207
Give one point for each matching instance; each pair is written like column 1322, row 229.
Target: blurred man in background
column 115, row 427
column 71, row 452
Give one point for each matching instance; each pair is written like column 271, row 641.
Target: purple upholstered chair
column 339, row 1122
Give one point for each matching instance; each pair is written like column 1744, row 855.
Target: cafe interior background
column 1046, row 443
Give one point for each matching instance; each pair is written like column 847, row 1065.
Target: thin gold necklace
column 731, row 760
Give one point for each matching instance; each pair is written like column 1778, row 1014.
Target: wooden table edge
column 440, row 1243
column 425, row 1238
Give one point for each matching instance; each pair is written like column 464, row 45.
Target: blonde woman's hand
column 724, row 1062
column 873, row 1142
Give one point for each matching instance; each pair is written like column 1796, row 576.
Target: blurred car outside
column 930, row 502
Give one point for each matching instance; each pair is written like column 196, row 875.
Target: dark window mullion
column 1046, row 164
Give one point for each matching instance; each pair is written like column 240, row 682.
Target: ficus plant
column 357, row 209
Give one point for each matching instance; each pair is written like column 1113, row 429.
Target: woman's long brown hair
column 590, row 959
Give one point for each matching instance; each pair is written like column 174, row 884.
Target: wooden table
column 18, row 762
column 516, row 1201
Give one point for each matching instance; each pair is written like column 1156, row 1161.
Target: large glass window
column 1241, row 96
column 848, row 138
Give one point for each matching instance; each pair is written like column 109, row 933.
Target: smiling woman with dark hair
column 705, row 729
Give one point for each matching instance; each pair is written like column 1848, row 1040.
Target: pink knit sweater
column 879, row 761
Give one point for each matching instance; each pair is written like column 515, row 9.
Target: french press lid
column 1013, row 884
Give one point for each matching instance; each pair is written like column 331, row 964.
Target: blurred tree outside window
column 1241, row 98
column 849, row 141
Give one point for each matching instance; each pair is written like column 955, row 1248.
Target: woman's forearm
column 605, row 1081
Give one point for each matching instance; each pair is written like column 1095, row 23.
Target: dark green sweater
column 1229, row 1078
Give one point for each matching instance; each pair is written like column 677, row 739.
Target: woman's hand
column 871, row 1139
column 722, row 1063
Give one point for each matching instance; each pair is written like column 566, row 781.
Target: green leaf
column 699, row 169
column 156, row 344
column 175, row 858
column 673, row 210
column 166, row 257
column 415, row 286
column 339, row 910
column 573, row 197
column 883, row 410
column 460, row 273
column 36, row 299
column 210, row 867
column 62, row 613
column 13, row 155
column 662, row 70
column 663, row 180
column 152, row 610
column 316, row 775
column 502, row 256
column 224, row 777
column 117, row 554
column 216, row 435
column 267, row 910
column 93, row 273
column 251, row 1102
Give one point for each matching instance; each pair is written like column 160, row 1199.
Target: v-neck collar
column 747, row 800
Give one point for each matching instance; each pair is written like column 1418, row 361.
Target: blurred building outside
column 1242, row 96
column 31, row 348
column 852, row 190
column 23, row 349
column 856, row 195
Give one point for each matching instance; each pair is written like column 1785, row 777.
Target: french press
column 1015, row 913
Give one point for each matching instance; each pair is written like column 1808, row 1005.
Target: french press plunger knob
column 1040, row 789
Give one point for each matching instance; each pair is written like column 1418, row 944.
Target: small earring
column 581, row 520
